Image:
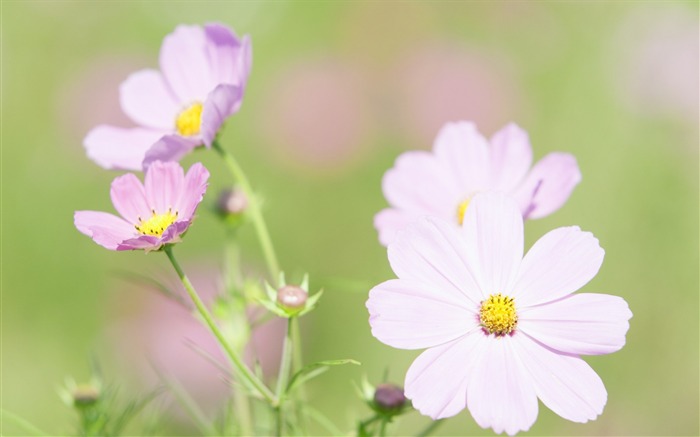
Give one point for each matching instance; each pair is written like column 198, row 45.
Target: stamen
column 497, row 315
column 157, row 224
column 189, row 121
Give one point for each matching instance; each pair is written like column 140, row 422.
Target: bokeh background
column 338, row 90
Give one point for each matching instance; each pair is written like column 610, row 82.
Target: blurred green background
column 337, row 91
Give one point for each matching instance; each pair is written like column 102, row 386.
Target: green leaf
column 313, row 370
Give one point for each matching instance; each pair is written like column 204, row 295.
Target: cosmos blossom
column 501, row 330
column 462, row 164
column 203, row 73
column 155, row 213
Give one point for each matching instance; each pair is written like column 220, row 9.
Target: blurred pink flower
column 154, row 334
column 462, row 164
column 501, row 330
column 320, row 112
column 655, row 55
column 437, row 82
column 203, row 74
column 151, row 215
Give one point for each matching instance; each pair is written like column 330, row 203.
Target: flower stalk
column 254, row 209
column 241, row 369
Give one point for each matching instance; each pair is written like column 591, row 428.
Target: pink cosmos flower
column 501, row 330
column 203, row 74
column 462, row 164
column 152, row 214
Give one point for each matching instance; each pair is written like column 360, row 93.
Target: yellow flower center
column 157, row 223
column 461, row 209
column 189, row 121
column 497, row 314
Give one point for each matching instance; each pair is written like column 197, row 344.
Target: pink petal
column 493, row 230
column 141, row 242
column 230, row 58
column 221, row 103
column 129, row 198
column 500, row 393
column 418, row 184
column 511, row 157
column 589, row 324
column 391, row 220
column 434, row 253
column 548, row 185
column 185, row 64
column 559, row 263
column 193, row 190
column 565, row 384
column 147, row 100
column 464, row 155
column 105, row 229
column 170, row 148
column 116, row 148
column 436, row 382
column 409, row 315
column 164, row 184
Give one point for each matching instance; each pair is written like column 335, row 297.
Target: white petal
column 566, row 384
column 559, row 263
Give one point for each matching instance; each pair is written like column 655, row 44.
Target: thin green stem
column 382, row 428
column 22, row 423
column 430, row 428
column 297, row 364
column 283, row 378
column 241, row 369
column 254, row 210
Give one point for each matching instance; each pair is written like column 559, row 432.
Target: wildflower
column 203, row 72
column 389, row 398
column 152, row 214
column 462, row 164
column 500, row 330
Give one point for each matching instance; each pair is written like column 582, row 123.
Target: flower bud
column 232, row 202
column 292, row 297
column 389, row 398
column 85, row 396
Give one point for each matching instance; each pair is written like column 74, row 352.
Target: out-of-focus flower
column 655, row 60
column 462, row 164
column 465, row 84
column 329, row 128
column 501, row 330
column 152, row 214
column 201, row 82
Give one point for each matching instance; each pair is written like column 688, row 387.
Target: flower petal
column 147, row 100
column 511, row 157
column 548, row 185
column 129, row 198
column 164, row 184
column 185, row 64
column 409, row 315
column 116, row 148
column 230, row 58
column 434, row 253
column 221, row 103
column 589, row 324
column 193, row 190
column 170, row 148
column 500, row 393
column 141, row 242
column 418, row 184
column 464, row 154
column 391, row 220
column 493, row 230
column 105, row 229
column 559, row 263
column 566, row 384
column 436, row 382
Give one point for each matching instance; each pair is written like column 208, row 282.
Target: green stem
column 297, row 364
column 254, row 210
column 430, row 428
column 283, row 378
column 21, row 423
column 242, row 370
column 382, row 428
